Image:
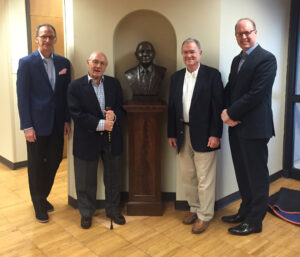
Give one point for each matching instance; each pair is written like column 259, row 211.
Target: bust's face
column 145, row 54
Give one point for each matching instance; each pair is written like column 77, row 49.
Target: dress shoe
column 245, row 229
column 199, row 226
column 86, row 222
column 117, row 218
column 49, row 207
column 42, row 216
column 236, row 218
column 189, row 218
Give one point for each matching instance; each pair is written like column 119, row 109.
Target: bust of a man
column 146, row 77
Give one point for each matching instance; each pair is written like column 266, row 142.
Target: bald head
column 97, row 63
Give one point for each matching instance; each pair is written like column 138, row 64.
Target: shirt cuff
column 100, row 126
column 28, row 128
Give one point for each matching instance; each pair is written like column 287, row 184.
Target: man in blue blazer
column 95, row 104
column 248, row 113
column 195, row 128
column 42, row 81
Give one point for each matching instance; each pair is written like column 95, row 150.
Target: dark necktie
column 242, row 60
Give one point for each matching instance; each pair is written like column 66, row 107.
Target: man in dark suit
column 95, row 104
column 248, row 114
column 145, row 79
column 195, row 127
column 42, row 81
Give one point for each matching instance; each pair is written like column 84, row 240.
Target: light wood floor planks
column 21, row 235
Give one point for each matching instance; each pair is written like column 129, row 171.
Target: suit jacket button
column 181, row 132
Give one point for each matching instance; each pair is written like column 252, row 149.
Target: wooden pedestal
column 144, row 132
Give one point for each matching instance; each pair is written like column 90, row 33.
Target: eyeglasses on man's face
column 45, row 37
column 245, row 33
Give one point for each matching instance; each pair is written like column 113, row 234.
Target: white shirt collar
column 193, row 74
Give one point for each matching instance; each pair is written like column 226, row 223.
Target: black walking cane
column 109, row 150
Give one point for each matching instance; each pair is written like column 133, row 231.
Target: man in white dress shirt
column 195, row 128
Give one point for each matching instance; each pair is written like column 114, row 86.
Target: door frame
column 291, row 97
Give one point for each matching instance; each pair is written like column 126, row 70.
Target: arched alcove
column 144, row 25
column 135, row 27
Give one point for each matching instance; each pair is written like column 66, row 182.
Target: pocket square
column 63, row 71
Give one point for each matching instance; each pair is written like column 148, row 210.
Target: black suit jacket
column 86, row 113
column 205, row 110
column 248, row 94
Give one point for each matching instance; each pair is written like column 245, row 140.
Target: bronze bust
column 146, row 77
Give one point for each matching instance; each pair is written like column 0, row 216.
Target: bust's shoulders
column 133, row 70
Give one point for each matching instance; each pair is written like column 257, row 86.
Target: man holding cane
column 95, row 104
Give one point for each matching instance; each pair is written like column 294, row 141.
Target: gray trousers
column 86, row 183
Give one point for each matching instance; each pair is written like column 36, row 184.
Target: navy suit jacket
column 86, row 113
column 39, row 106
column 248, row 94
column 205, row 110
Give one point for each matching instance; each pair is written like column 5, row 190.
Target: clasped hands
column 109, row 120
column 226, row 119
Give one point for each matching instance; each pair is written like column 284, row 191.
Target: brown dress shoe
column 199, row 226
column 189, row 218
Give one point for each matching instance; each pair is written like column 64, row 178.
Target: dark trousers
column 86, row 183
column 44, row 157
column 250, row 157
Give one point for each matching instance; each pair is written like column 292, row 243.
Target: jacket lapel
column 180, row 90
column 91, row 95
column 107, row 93
column 200, row 81
column 41, row 67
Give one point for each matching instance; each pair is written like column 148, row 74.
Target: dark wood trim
column 166, row 197
column 29, row 32
column 291, row 98
column 13, row 165
column 182, row 205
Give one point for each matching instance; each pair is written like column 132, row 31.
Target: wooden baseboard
column 13, row 165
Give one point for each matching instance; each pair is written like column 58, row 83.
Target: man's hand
column 213, row 142
column 172, row 142
column 226, row 119
column 67, row 128
column 108, row 125
column 30, row 135
column 109, row 115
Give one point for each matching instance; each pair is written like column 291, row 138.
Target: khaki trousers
column 198, row 173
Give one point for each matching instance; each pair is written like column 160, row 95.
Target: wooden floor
column 22, row 235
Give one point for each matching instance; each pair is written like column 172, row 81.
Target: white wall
column 272, row 21
column 13, row 29
column 212, row 22
column 95, row 22
column 92, row 26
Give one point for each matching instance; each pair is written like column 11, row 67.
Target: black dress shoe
column 236, row 218
column 117, row 218
column 245, row 229
column 86, row 222
column 42, row 216
column 49, row 207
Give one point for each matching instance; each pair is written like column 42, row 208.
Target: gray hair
column 44, row 25
column 245, row 19
column 190, row 40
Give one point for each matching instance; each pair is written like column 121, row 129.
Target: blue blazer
column 248, row 94
column 86, row 113
column 39, row 106
column 205, row 110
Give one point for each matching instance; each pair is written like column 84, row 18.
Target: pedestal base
column 144, row 132
column 144, row 208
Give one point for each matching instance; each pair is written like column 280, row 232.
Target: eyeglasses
column 246, row 33
column 44, row 37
